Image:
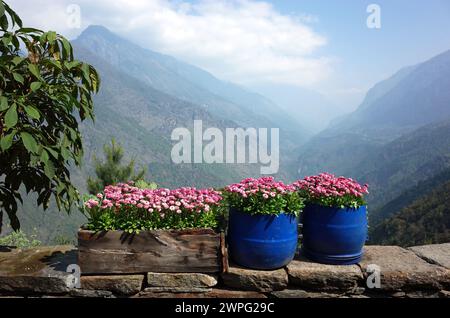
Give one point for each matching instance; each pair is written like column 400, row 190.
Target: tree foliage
column 112, row 171
column 20, row 239
column 425, row 221
column 43, row 93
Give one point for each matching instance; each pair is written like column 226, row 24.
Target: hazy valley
column 397, row 141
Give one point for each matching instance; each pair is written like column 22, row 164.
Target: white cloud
column 239, row 40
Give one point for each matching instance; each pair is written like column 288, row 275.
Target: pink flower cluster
column 328, row 185
column 180, row 200
column 265, row 185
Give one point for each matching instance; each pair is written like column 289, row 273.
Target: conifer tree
column 112, row 170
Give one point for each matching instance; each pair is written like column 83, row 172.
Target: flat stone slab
column 438, row 254
column 125, row 285
column 444, row 294
column 181, row 280
column 300, row 293
column 87, row 293
column 39, row 270
column 176, row 290
column 401, row 269
column 323, row 277
column 213, row 293
column 255, row 280
column 225, row 293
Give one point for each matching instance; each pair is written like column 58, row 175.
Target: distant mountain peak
column 101, row 32
column 96, row 29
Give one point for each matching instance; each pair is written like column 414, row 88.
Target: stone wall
column 422, row 271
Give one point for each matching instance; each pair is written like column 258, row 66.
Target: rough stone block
column 86, row 293
column 181, row 280
column 300, row 293
column 322, row 277
column 213, row 293
column 176, row 290
column 255, row 280
column 438, row 254
column 444, row 294
column 118, row 284
column 401, row 269
column 40, row 270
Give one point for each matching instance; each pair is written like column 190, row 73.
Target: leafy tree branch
column 44, row 93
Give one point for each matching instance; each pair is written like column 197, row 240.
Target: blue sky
column 411, row 32
column 323, row 45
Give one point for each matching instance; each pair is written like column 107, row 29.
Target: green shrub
column 20, row 240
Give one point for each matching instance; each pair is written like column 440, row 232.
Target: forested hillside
column 403, row 163
column 410, row 195
column 425, row 221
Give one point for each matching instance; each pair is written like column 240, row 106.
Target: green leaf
column 18, row 78
column 43, row 38
column 67, row 48
column 15, row 42
column 49, row 169
column 44, row 157
column 17, row 60
column 4, row 22
column 35, row 86
column 51, row 36
column 29, row 30
column 14, row 17
column 6, row 40
column 73, row 134
column 86, row 73
column 33, row 68
column 2, row 9
column 55, row 64
column 65, row 153
column 32, row 112
column 3, row 103
column 72, row 64
column 60, row 188
column 11, row 116
column 6, row 141
column 52, row 152
column 29, row 142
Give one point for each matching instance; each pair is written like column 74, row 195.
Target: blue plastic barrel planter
column 333, row 235
column 262, row 241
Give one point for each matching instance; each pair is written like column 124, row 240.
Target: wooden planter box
column 163, row 251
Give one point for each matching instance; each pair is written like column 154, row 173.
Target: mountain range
column 188, row 83
column 143, row 97
column 413, row 97
column 158, row 93
column 398, row 138
column 397, row 141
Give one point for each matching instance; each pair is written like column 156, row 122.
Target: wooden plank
column 168, row 251
column 224, row 253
